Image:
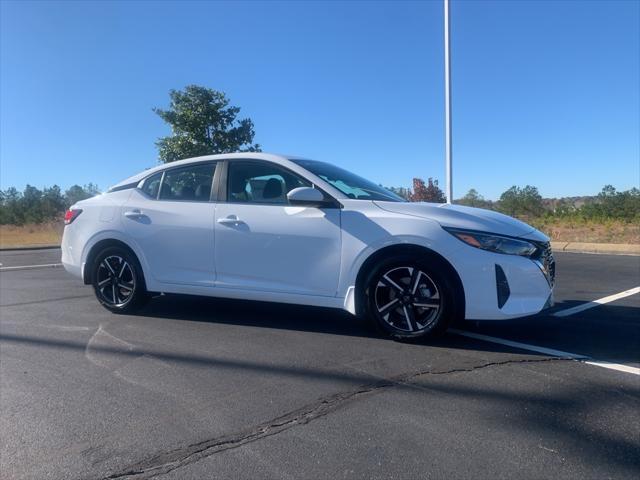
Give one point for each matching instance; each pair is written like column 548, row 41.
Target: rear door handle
column 133, row 213
column 230, row 220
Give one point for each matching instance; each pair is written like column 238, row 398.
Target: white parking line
column 30, row 267
column 524, row 346
column 595, row 303
column 614, row 366
column 548, row 351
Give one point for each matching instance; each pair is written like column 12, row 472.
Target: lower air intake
column 502, row 287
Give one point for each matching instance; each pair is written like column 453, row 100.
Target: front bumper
column 502, row 287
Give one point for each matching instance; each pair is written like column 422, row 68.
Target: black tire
column 411, row 298
column 118, row 281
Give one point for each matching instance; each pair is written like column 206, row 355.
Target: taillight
column 70, row 215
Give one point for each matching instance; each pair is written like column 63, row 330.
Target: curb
column 602, row 248
column 46, row 246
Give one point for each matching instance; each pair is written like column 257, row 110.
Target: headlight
column 494, row 243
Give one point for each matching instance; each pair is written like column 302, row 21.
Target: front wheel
column 409, row 298
column 117, row 280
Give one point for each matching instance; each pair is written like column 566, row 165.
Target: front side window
column 266, row 183
column 151, row 185
column 349, row 183
column 191, row 183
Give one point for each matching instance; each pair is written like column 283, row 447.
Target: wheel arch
column 404, row 249
column 101, row 245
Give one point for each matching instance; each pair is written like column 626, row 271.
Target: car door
column 171, row 218
column 263, row 243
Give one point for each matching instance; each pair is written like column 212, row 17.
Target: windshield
column 348, row 183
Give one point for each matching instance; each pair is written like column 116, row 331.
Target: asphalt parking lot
column 209, row 388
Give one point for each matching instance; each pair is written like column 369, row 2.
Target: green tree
column 30, row 204
column 52, row 203
column 509, row 201
column 526, row 202
column 473, row 199
column 203, row 123
column 10, row 211
column 613, row 204
column 92, row 189
column 77, row 193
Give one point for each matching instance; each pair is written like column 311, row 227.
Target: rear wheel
column 117, row 280
column 410, row 298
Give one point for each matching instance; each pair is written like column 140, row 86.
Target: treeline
column 526, row 202
column 36, row 206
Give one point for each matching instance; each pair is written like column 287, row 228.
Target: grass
column 31, row 234
column 589, row 231
column 559, row 229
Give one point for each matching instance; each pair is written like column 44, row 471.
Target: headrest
column 238, row 184
column 203, row 192
column 272, row 189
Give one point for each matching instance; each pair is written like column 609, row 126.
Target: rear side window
column 192, row 183
column 151, row 185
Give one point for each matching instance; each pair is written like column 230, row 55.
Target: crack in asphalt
column 166, row 462
column 46, row 300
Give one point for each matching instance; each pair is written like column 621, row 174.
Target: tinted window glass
column 261, row 183
column 152, row 184
column 349, row 183
column 192, row 183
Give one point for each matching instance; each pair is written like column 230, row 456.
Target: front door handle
column 230, row 220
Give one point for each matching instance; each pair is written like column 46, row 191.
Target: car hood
column 458, row 216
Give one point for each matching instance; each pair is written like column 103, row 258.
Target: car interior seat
column 239, row 188
column 187, row 193
column 203, row 192
column 272, row 190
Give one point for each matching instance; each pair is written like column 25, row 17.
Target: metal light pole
column 447, row 95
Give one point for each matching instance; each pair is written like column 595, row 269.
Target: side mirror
column 307, row 196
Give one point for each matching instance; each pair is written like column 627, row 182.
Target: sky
column 545, row 93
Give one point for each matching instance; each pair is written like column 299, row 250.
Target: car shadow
column 256, row 314
column 605, row 332
column 613, row 336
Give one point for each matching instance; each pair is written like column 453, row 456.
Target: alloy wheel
column 407, row 299
column 116, row 281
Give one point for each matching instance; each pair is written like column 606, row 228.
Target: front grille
column 548, row 263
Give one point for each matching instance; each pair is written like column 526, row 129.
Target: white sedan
column 256, row 226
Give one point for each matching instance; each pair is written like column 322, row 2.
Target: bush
column 613, row 204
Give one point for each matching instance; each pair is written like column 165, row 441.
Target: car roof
column 284, row 160
column 271, row 157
